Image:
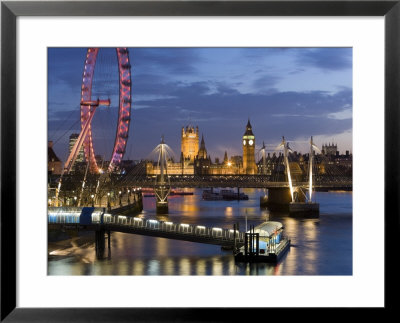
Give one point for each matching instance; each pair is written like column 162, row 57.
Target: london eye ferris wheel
column 89, row 104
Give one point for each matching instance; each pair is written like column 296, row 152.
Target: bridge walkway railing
column 180, row 228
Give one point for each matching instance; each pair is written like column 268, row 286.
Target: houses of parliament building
column 195, row 160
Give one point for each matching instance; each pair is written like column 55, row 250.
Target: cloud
column 329, row 59
column 266, row 82
column 172, row 60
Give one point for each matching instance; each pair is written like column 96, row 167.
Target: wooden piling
column 99, row 243
column 234, row 238
column 246, row 243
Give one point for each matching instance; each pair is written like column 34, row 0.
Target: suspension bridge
column 242, row 181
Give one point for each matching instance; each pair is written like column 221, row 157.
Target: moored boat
column 172, row 193
column 231, row 195
column 227, row 195
column 210, row 195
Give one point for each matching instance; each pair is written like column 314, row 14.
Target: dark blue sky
column 295, row 92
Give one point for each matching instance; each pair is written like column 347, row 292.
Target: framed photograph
column 197, row 152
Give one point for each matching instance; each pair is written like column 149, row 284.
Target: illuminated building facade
column 190, row 142
column 329, row 149
column 72, row 139
column 172, row 168
column 249, row 142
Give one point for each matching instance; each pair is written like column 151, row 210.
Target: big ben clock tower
column 249, row 142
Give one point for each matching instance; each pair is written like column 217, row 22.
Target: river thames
column 319, row 246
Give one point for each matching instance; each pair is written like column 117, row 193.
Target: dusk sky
column 291, row 92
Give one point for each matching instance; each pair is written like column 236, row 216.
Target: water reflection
column 168, row 266
column 138, row 267
column 321, row 246
column 201, row 267
column 162, row 247
column 229, row 211
column 153, row 267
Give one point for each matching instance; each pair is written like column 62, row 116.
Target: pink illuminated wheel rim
column 124, row 111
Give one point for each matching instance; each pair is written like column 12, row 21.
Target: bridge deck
column 244, row 181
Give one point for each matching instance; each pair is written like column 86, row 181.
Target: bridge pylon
column 161, row 193
column 162, row 187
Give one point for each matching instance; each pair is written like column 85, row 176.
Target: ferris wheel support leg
column 56, row 204
column 78, row 144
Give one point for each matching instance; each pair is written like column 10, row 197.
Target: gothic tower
column 202, row 163
column 249, row 142
column 202, row 154
column 190, row 142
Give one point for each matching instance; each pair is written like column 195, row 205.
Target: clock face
column 250, row 142
column 244, row 142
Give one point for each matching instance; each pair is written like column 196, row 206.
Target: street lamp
column 108, row 201
column 246, row 219
column 92, row 196
column 75, row 200
column 120, row 199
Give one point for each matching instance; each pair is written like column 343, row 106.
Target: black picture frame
column 10, row 10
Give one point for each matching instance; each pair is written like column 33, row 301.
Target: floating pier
column 264, row 243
